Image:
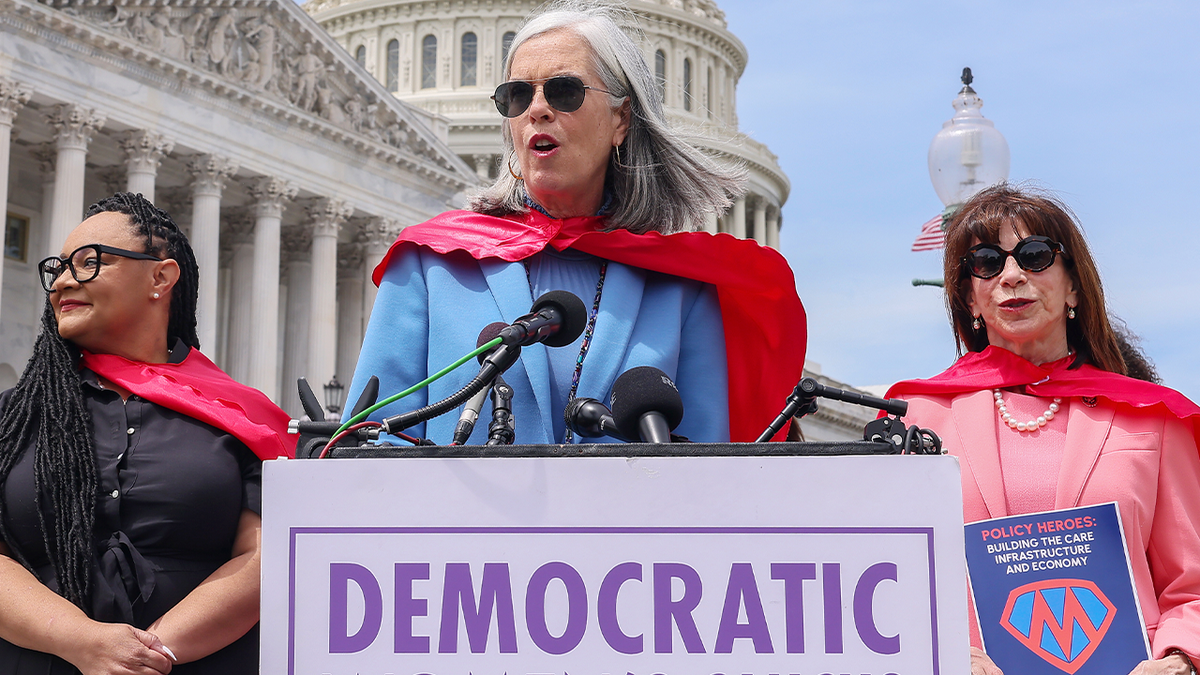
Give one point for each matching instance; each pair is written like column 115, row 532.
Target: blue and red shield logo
column 1060, row 620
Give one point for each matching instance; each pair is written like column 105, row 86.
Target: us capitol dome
column 446, row 58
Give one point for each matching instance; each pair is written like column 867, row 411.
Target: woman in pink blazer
column 1042, row 415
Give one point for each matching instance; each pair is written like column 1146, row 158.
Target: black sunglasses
column 84, row 263
column 564, row 93
column 1033, row 254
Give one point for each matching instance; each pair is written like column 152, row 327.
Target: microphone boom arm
column 499, row 361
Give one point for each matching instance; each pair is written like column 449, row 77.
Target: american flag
column 932, row 236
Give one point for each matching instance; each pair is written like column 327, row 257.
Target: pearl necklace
column 1031, row 425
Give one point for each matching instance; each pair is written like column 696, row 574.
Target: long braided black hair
column 47, row 407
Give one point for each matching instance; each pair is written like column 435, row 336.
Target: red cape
column 199, row 389
column 765, row 327
column 997, row 368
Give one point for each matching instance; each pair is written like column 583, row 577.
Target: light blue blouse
column 431, row 307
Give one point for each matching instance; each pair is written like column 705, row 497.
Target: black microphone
column 646, row 405
column 589, row 418
column 470, row 413
column 557, row 318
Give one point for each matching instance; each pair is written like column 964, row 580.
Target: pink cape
column 765, row 327
column 199, row 389
column 997, row 368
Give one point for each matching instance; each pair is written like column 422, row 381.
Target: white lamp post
column 968, row 154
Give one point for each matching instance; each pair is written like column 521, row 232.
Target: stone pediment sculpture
column 270, row 54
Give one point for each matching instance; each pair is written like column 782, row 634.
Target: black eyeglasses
column 564, row 93
column 84, row 263
column 1033, row 254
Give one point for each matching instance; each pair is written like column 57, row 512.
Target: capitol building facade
column 447, row 58
column 292, row 143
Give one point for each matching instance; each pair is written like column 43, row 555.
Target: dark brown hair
column 1090, row 334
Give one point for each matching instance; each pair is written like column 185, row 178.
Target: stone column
column 378, row 235
column 760, row 221
column 13, row 97
column 325, row 218
column 74, row 126
column 271, row 196
column 241, row 313
column 739, row 218
column 209, row 173
column 773, row 229
column 710, row 222
column 45, row 154
column 350, row 316
column 224, row 278
column 144, row 151
column 297, row 270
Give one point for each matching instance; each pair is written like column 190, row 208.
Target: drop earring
column 1070, row 312
column 977, row 323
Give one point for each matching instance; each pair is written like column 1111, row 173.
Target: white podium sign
column 590, row 566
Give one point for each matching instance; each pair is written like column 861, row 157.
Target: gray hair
column 662, row 183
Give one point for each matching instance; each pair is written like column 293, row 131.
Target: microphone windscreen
column 574, row 316
column 641, row 390
column 490, row 332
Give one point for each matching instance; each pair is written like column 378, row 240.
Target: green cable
column 418, row 386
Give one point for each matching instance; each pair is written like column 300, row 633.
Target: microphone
column 589, row 418
column 646, row 405
column 470, row 413
column 557, row 318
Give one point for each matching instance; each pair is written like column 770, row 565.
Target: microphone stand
column 502, row 430
column 904, row 440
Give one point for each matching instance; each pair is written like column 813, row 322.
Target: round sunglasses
column 564, row 93
column 84, row 263
column 1033, row 254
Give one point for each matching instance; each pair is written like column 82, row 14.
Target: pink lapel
column 1087, row 430
column 975, row 422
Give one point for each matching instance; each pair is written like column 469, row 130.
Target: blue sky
column 1098, row 102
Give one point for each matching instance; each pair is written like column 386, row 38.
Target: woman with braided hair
column 130, row 468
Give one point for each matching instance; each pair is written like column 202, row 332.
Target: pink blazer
column 1145, row 462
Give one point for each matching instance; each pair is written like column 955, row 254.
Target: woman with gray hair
column 599, row 197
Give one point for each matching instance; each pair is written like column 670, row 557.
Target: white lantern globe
column 968, row 154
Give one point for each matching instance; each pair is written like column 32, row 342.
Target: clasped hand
column 120, row 649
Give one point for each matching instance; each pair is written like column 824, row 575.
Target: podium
column 625, row 559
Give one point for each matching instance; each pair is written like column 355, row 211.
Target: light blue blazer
column 431, row 307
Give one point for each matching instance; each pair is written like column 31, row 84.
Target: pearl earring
column 156, row 296
column 1070, row 312
column 977, row 323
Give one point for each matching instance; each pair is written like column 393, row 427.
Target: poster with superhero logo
column 1054, row 592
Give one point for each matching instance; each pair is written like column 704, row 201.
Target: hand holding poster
column 1054, row 592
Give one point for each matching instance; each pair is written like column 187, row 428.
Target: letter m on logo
column 1060, row 620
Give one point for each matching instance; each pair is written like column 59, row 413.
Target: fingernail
column 170, row 653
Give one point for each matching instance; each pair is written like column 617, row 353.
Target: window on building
column 392, row 81
column 429, row 62
column 360, row 55
column 470, row 56
column 660, row 73
column 687, row 84
column 16, row 237
column 505, row 45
